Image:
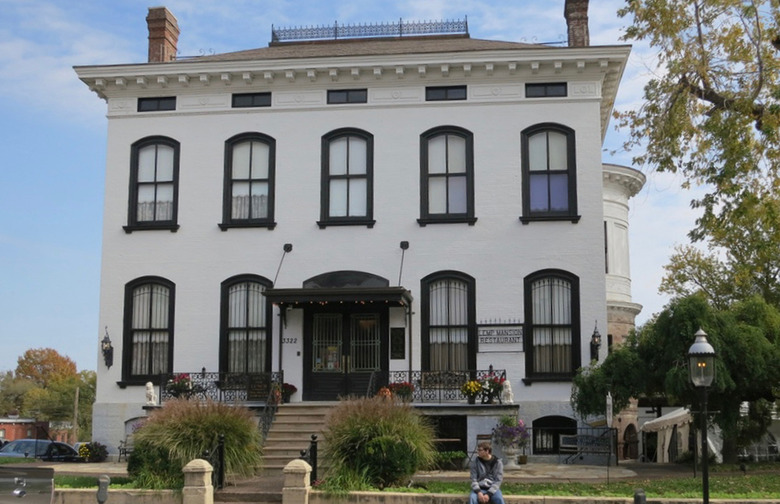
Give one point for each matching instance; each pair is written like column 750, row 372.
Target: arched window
column 446, row 176
column 249, row 181
column 154, row 184
column 245, row 328
column 148, row 329
column 549, row 173
column 552, row 327
column 448, row 322
column 347, row 194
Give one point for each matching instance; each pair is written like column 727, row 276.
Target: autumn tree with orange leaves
column 43, row 366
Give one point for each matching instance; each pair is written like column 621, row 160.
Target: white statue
column 507, row 397
column 151, row 395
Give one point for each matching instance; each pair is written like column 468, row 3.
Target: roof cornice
column 630, row 178
column 605, row 63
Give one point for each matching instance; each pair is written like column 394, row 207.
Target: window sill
column 548, row 379
column 550, row 218
column 446, row 220
column 135, row 382
column 266, row 224
column 151, row 227
column 369, row 223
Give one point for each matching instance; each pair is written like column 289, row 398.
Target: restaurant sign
column 500, row 337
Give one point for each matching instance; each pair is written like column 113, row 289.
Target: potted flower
column 512, row 436
column 180, row 385
column 493, row 386
column 403, row 390
column 288, row 389
column 471, row 389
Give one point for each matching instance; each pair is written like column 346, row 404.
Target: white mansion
column 360, row 211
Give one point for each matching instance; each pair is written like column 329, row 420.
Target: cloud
column 36, row 59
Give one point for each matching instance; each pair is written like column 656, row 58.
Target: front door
column 341, row 351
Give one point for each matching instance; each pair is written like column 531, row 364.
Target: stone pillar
column 297, row 483
column 197, row 483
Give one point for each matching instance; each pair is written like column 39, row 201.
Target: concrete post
column 197, row 483
column 297, row 484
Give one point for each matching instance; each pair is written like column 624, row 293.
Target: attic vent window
column 400, row 28
column 347, row 96
column 241, row 100
column 442, row 93
column 156, row 104
column 545, row 90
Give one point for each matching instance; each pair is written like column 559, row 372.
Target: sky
column 53, row 137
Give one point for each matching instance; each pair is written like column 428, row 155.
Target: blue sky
column 53, row 137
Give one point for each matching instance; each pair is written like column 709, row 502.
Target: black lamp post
column 701, row 362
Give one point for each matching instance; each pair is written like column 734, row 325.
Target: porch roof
column 393, row 296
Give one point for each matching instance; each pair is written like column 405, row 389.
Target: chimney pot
column 576, row 14
column 163, row 35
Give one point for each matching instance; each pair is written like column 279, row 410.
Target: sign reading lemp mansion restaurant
column 500, row 337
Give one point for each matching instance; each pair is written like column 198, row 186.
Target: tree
column 43, row 365
column 654, row 365
column 12, row 392
column 743, row 257
column 711, row 113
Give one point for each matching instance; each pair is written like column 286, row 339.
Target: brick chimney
column 576, row 14
column 163, row 35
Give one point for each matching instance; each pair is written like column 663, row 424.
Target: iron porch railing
column 220, row 387
column 445, row 386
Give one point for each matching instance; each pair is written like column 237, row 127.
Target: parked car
column 41, row 449
column 33, row 484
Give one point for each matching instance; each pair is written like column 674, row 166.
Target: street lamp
column 701, row 362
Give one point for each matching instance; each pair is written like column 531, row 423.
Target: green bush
column 182, row 430
column 449, row 460
column 377, row 442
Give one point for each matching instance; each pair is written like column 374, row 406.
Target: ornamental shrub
column 377, row 442
column 183, row 430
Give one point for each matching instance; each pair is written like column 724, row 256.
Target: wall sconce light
column 595, row 343
column 404, row 247
column 107, row 349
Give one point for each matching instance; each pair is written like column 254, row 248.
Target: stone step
column 291, row 432
column 292, row 436
column 286, row 426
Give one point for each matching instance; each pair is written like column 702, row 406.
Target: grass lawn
column 762, row 481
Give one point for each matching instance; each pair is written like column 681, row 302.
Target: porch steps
column 291, row 432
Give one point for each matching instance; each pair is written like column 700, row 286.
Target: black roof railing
column 400, row 28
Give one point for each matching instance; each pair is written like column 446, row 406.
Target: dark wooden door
column 341, row 350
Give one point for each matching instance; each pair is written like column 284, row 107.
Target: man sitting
column 487, row 472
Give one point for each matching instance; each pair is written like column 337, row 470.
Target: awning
column 391, row 296
column 679, row 416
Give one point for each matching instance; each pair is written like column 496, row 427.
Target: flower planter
column 510, row 457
